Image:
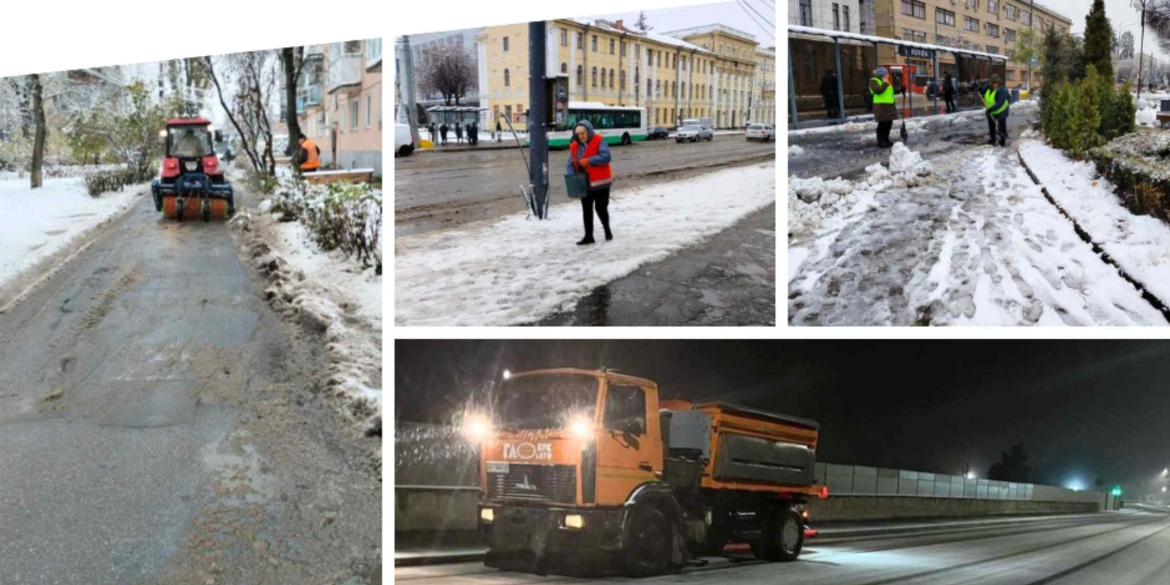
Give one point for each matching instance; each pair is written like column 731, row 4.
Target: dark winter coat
column 882, row 112
column 1001, row 97
column 949, row 88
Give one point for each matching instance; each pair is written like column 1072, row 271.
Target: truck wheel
column 626, row 139
column 648, row 549
column 783, row 536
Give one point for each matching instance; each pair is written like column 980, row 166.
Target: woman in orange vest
column 310, row 155
column 589, row 153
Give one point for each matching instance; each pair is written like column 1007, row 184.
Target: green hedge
column 1084, row 114
column 1138, row 165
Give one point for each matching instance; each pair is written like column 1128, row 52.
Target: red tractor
column 191, row 185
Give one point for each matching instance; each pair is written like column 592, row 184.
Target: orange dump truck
column 590, row 469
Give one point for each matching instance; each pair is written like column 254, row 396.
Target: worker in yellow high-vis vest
column 885, row 109
column 997, row 103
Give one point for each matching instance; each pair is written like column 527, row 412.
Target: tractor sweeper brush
column 191, row 185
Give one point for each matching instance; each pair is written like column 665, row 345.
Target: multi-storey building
column 842, row 15
column 704, row 72
column 764, row 87
column 339, row 103
column 989, row 26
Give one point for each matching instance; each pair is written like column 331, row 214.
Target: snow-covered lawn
column 1140, row 244
column 38, row 223
column 970, row 240
column 514, row 270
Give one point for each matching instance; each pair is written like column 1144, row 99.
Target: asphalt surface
column 727, row 280
column 159, row 424
column 439, row 190
column 1119, row 548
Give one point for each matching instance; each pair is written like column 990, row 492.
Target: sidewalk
column 486, row 142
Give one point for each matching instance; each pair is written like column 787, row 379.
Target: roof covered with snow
column 663, row 39
column 588, row 105
column 835, row 34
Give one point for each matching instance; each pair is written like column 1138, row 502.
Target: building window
column 611, row 45
column 971, row 4
column 1011, row 54
column 507, row 78
column 836, row 16
column 657, row 87
column 992, row 30
column 845, row 11
column 623, row 48
column 1011, row 75
column 594, row 77
column 611, row 76
column 623, row 82
column 594, row 43
column 993, row 6
column 805, row 13
column 945, row 17
column 369, row 110
column 970, row 24
column 580, row 40
column 658, row 60
column 603, row 78
column 580, row 75
column 914, row 8
column 565, row 68
column 1009, row 35
column 1026, row 18
column 354, row 106
column 505, row 44
column 913, row 35
column 994, row 50
column 1011, row 12
column 564, row 37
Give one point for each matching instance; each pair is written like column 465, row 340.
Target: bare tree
column 42, row 132
column 293, row 61
column 253, row 77
column 446, row 69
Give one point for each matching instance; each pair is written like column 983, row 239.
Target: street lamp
column 507, row 374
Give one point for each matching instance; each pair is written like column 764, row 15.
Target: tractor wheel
column 783, row 535
column 206, row 211
column 648, row 550
column 180, row 209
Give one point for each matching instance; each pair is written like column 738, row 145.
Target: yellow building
column 704, row 72
column 764, row 88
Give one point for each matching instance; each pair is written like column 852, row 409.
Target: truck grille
column 534, row 483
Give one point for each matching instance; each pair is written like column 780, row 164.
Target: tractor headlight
column 488, row 515
column 190, row 165
column 574, row 521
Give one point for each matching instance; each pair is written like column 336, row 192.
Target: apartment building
column 989, row 26
column 706, row 71
column 763, row 108
column 339, row 103
column 841, row 15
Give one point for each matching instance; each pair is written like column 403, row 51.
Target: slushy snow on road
column 961, row 240
column 41, row 222
column 514, row 270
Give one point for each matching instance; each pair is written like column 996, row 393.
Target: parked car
column 694, row 132
column 403, row 142
column 761, row 132
column 658, row 133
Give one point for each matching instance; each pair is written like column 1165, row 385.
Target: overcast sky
column 1120, row 12
column 732, row 14
column 1082, row 409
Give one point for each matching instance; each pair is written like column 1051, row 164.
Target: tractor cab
column 191, row 183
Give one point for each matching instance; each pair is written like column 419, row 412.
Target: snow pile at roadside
column 514, row 270
column 40, row 222
column 916, row 123
column 795, row 150
column 330, row 295
column 814, row 202
column 1140, row 244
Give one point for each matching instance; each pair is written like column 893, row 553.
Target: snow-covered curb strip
column 912, row 124
column 41, row 222
column 512, row 270
column 1139, row 244
column 306, row 287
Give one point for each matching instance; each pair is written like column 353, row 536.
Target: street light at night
column 1165, row 473
column 507, row 374
column 971, row 475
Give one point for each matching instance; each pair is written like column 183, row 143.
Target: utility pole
column 538, row 108
column 1032, row 36
column 408, row 79
column 1141, row 49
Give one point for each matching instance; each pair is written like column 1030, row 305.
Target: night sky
column 1082, row 409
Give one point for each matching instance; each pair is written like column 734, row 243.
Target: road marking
column 46, row 276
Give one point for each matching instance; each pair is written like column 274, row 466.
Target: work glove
column 584, row 163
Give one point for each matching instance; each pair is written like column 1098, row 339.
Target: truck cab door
column 629, row 445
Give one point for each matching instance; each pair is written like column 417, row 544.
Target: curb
column 438, row 559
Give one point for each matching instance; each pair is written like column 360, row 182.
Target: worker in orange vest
column 589, row 153
column 309, row 158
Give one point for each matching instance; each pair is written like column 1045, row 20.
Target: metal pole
column 840, row 81
column 408, row 79
column 537, row 114
column 937, row 84
column 1141, row 50
column 792, row 91
column 1032, row 36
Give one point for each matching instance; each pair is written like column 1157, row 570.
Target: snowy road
column 160, row 424
column 1119, row 548
column 442, row 190
column 973, row 243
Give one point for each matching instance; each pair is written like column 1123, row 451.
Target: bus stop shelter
column 853, row 57
column 452, row 115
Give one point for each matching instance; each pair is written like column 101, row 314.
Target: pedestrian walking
column 499, row 130
column 443, row 132
column 589, row 153
column 885, row 109
column 949, row 93
column 434, row 133
column 997, row 103
column 458, row 132
column 475, row 134
column 829, row 92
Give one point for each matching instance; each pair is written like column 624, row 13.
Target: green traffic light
column 1116, row 491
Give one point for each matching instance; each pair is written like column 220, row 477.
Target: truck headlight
column 487, row 515
column 574, row 521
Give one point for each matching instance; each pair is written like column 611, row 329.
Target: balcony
column 374, row 55
column 345, row 70
column 307, row 97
